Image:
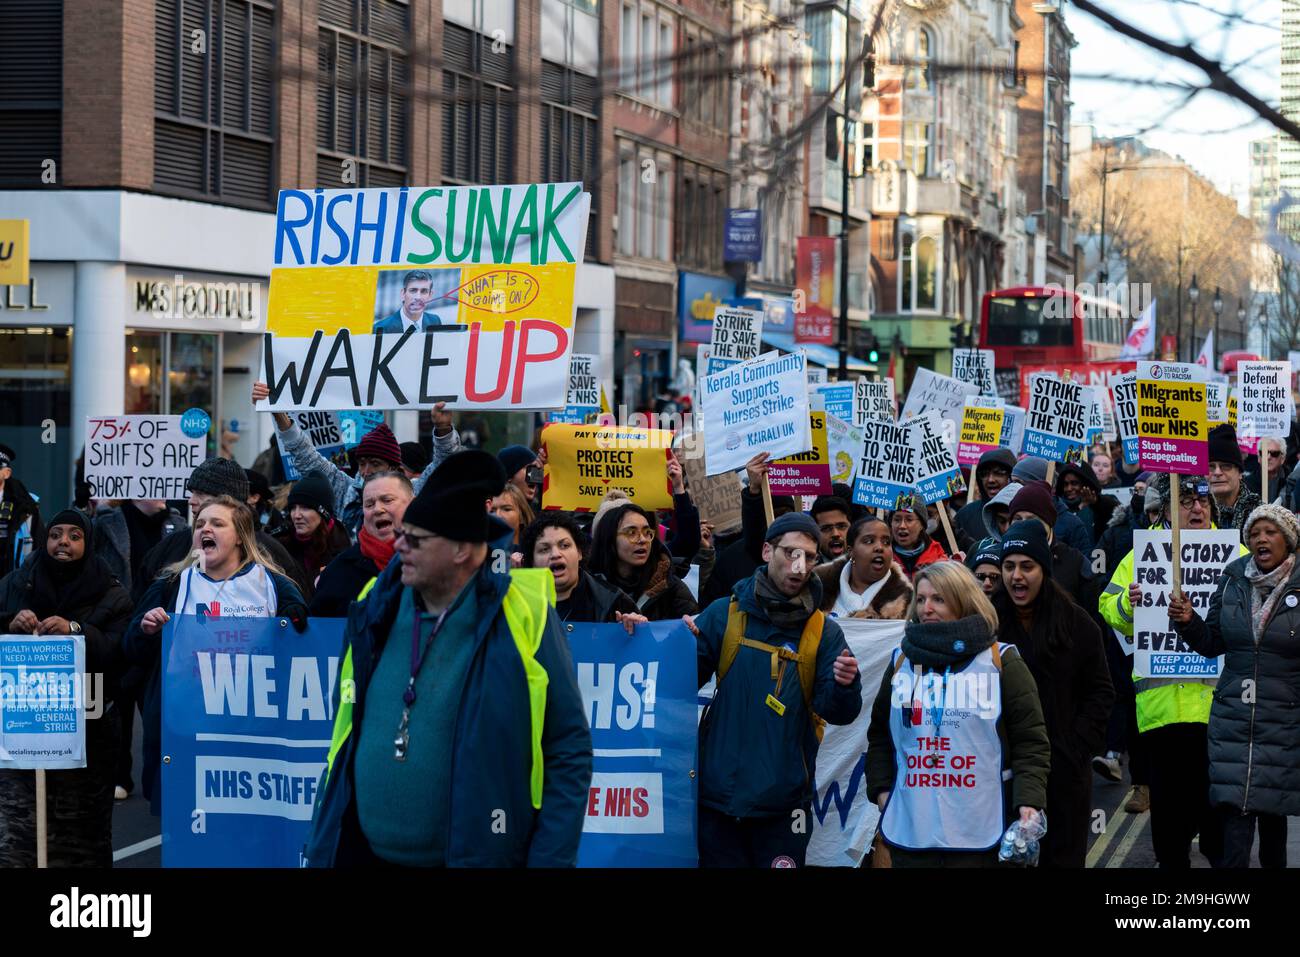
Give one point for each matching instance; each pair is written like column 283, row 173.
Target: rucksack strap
column 805, row 658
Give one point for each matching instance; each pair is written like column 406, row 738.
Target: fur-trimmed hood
column 890, row 602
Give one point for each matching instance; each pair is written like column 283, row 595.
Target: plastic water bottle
column 1020, row 843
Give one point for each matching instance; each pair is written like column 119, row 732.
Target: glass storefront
column 36, row 410
column 189, row 361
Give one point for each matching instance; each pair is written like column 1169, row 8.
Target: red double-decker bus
column 1030, row 326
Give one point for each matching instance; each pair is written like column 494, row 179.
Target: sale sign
column 815, row 282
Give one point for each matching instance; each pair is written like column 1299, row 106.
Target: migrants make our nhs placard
column 142, row 456
column 757, row 406
column 44, row 691
column 248, row 713
column 981, row 428
column 1172, row 430
column 1056, row 420
column 1158, row 652
column 401, row 298
column 886, row 465
column 639, row 694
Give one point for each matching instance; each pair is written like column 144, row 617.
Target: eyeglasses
column 1187, row 501
column 633, row 533
column 414, row 539
column 987, row 576
column 1274, row 454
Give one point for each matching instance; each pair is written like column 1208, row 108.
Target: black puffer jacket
column 341, row 582
column 1254, row 738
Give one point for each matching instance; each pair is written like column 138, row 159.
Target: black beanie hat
column 257, row 483
column 1223, row 446
column 313, row 491
column 218, row 476
column 987, row 552
column 414, row 457
column 453, row 502
column 1028, row 538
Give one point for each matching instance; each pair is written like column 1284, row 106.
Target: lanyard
column 418, row 654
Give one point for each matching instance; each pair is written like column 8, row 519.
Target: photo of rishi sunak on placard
column 416, row 299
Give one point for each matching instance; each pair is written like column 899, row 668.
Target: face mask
column 932, row 526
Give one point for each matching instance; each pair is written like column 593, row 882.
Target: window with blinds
column 214, row 124
column 362, row 93
column 570, row 135
column 479, row 108
column 31, row 89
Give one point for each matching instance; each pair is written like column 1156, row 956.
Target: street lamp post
column 844, row 209
column 1217, row 305
column 1193, row 295
column 1263, row 320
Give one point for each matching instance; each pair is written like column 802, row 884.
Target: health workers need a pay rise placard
column 403, row 298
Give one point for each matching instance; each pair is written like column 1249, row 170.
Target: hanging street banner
column 1172, row 431
column 1013, row 428
column 873, row 400
column 886, row 465
column 247, row 716
column 400, row 298
column 757, row 406
column 937, row 474
column 807, row 473
column 1158, row 652
column 815, row 284
column 44, row 693
column 930, row 390
column 1123, row 392
column 583, row 462
column 1265, row 407
column 582, row 402
column 981, row 428
column 333, row 434
column 843, row 442
column 975, row 366
column 844, row 820
column 1057, row 419
column 742, row 238
column 143, row 456
column 838, row 397
column 737, row 335
column 640, row 697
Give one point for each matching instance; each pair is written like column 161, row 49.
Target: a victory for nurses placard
column 402, row 298
column 1172, row 429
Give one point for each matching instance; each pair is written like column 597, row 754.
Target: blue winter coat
column 491, row 749
column 754, row 762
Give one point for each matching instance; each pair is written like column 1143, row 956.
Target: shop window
column 170, row 372
column 144, row 373
column 36, row 388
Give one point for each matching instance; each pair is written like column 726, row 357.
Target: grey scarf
column 788, row 614
column 946, row 644
column 1266, row 590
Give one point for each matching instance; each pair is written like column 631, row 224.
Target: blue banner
column 1054, row 448
column 743, row 238
column 247, row 720
column 839, row 400
column 640, row 694
column 575, row 414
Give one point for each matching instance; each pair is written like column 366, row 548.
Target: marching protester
column 1254, row 762
column 1077, row 486
column 377, row 451
column 992, row 475
column 831, row 514
column 211, row 480
column 228, row 567
column 627, row 551
column 1067, row 527
column 1062, row 647
column 865, row 582
column 1278, row 454
column 1172, row 713
column 67, row 589
column 737, row 561
column 1234, row 500
column 314, row 538
column 512, row 507
column 556, row 541
column 20, row 516
column 1103, row 469
column 947, row 816
column 985, row 563
column 384, row 498
column 414, row 459
column 996, row 513
column 784, row 671
column 517, row 460
column 913, row 547
column 1070, row 569
column 455, row 663
column 261, row 500
column 123, row 535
